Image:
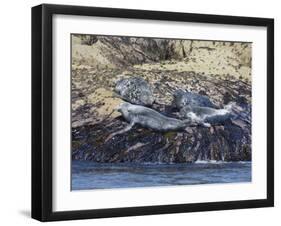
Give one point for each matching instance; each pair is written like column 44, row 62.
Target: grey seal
column 184, row 98
column 207, row 115
column 149, row 118
column 135, row 90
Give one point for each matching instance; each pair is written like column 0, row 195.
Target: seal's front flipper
column 205, row 124
column 127, row 128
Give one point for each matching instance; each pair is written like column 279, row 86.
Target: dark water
column 89, row 175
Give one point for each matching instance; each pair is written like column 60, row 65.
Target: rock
column 166, row 65
column 135, row 90
column 230, row 141
column 88, row 39
column 95, row 107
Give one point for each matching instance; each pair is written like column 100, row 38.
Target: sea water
column 89, row 175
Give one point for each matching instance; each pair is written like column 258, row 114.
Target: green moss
column 131, row 136
column 170, row 135
column 246, row 153
column 76, row 144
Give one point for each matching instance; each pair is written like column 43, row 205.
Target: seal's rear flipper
column 230, row 106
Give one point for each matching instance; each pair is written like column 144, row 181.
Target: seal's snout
column 118, row 108
column 121, row 107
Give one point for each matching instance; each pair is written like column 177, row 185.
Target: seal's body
column 206, row 114
column 184, row 98
column 150, row 118
column 135, row 90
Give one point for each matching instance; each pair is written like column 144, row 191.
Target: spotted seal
column 135, row 90
column 184, row 98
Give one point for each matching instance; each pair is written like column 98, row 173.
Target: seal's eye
column 118, row 108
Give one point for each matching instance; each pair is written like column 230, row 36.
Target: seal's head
column 123, row 108
column 135, row 90
column 121, row 85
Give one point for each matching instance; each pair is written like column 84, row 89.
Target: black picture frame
column 42, row 107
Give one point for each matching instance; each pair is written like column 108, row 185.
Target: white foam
column 219, row 162
column 209, row 161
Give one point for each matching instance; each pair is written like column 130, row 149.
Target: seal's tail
column 229, row 107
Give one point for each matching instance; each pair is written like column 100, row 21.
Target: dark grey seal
column 135, row 90
column 207, row 115
column 184, row 98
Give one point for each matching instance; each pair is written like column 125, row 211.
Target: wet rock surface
column 229, row 142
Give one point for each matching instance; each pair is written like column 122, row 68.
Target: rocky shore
column 187, row 65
